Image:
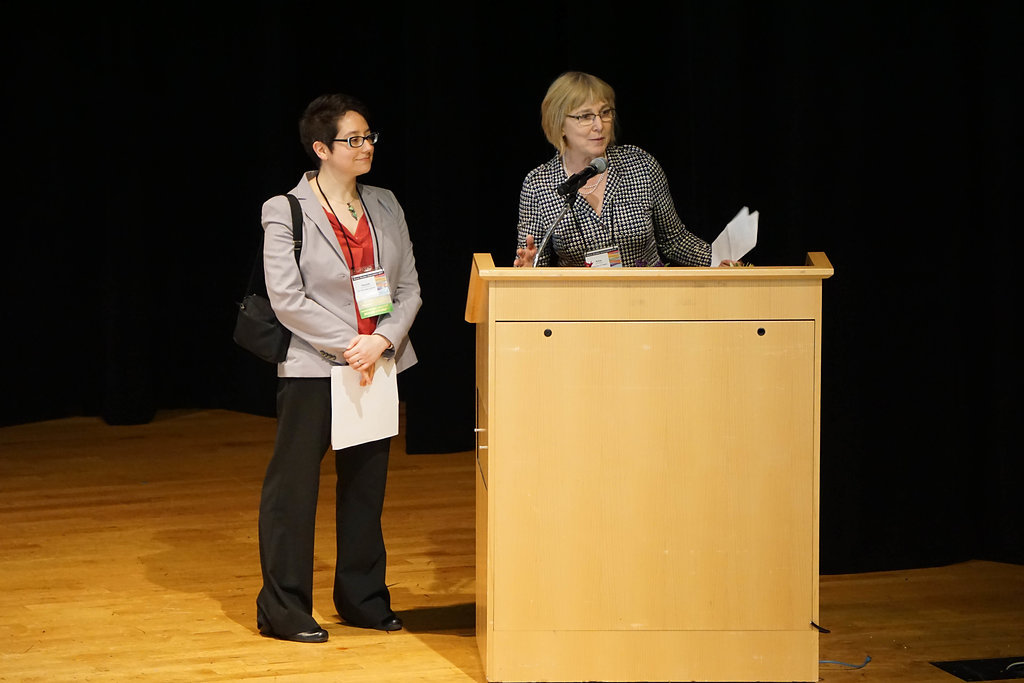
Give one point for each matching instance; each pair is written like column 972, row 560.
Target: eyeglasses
column 588, row 118
column 358, row 140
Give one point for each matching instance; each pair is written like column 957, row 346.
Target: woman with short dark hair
column 350, row 231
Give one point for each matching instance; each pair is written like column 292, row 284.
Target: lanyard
column 344, row 232
column 599, row 222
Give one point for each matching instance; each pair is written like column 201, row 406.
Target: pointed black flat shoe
column 317, row 636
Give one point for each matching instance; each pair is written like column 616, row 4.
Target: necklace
column 351, row 209
column 589, row 189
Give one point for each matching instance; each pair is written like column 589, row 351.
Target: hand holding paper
column 737, row 239
column 362, row 354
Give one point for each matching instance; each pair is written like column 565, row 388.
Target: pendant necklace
column 351, row 209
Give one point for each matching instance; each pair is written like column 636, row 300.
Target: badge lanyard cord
column 344, row 232
column 576, row 218
column 607, row 209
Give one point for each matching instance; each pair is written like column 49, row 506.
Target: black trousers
column 288, row 516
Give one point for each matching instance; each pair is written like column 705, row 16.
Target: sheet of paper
column 362, row 414
column 737, row 239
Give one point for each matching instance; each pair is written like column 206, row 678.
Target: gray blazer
column 318, row 304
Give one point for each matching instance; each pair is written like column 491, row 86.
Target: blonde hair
column 569, row 91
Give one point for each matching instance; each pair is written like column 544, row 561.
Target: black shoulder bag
column 257, row 328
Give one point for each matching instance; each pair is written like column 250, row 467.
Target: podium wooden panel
column 647, row 480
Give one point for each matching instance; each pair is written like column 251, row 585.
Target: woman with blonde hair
column 627, row 217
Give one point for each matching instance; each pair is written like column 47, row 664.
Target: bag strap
column 296, row 241
column 296, row 225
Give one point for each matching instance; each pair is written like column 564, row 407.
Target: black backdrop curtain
column 143, row 143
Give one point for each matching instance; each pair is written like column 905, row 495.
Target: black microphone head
column 599, row 164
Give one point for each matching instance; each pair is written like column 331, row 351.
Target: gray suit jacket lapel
column 314, row 212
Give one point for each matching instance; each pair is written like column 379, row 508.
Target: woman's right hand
column 362, row 353
column 526, row 255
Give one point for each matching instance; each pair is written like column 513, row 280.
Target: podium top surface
column 817, row 267
column 485, row 276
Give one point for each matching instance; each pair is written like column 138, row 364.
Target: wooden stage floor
column 130, row 553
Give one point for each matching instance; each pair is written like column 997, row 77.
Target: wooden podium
column 647, row 479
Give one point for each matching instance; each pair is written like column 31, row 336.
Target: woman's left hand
column 362, row 354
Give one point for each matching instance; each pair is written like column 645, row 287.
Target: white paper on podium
column 737, row 239
column 363, row 414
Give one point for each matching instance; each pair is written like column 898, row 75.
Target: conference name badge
column 604, row 258
column 373, row 295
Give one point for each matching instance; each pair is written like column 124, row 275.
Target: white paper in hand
column 737, row 239
column 363, row 414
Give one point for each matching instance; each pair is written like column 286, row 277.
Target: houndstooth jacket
column 637, row 215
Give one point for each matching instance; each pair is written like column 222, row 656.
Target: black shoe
column 316, row 636
column 388, row 623
column 391, row 623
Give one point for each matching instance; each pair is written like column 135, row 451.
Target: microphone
column 576, row 180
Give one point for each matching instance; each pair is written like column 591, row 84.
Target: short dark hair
column 319, row 123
